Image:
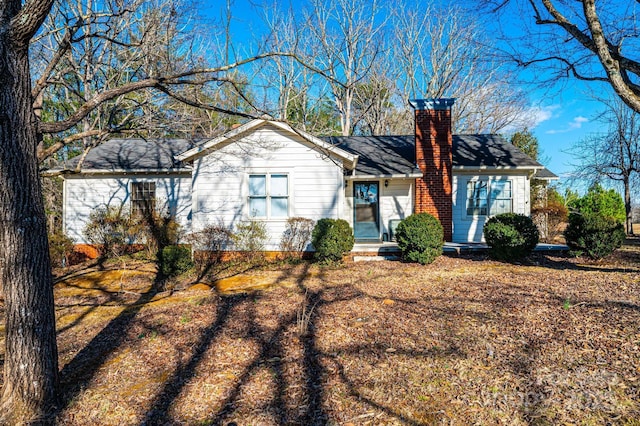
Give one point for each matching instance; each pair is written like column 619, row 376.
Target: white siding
column 220, row 180
column 469, row 228
column 396, row 201
column 84, row 194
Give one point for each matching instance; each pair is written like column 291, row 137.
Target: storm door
column 366, row 223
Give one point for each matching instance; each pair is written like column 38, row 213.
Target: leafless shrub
column 296, row 236
column 250, row 238
column 209, row 243
column 303, row 315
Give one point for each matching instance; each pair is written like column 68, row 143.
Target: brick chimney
column 433, row 158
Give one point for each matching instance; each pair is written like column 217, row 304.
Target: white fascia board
column 350, row 159
column 491, row 168
column 211, row 144
column 393, row 176
column 96, row 172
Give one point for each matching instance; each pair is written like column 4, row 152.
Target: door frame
column 378, row 237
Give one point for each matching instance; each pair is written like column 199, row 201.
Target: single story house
column 268, row 171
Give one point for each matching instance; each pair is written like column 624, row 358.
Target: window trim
column 489, row 199
column 268, row 196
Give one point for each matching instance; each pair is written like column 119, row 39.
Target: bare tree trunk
column 31, row 358
column 627, row 206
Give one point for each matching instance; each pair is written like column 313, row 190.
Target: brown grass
column 462, row 341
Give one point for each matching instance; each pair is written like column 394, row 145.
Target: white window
column 269, row 195
column 488, row 198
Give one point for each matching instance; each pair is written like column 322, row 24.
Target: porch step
column 390, row 250
column 375, row 258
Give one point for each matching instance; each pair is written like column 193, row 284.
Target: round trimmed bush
column 332, row 239
column 176, row 260
column 593, row 235
column 420, row 238
column 511, row 236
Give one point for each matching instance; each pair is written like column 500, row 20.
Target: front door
column 366, row 216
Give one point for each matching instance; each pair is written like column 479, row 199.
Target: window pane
column 477, row 207
column 257, row 185
column 476, row 198
column 279, row 185
column 501, row 190
column 500, row 197
column 279, row 207
column 500, row 206
column 258, row 207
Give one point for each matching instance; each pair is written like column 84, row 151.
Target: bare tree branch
column 27, row 21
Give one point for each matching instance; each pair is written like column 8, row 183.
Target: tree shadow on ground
column 316, row 361
column 78, row 372
column 565, row 261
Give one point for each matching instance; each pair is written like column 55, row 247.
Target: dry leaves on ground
column 462, row 341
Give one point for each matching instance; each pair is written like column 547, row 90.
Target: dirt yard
column 463, row 341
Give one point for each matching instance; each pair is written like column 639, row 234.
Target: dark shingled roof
column 546, row 174
column 136, row 154
column 388, row 155
column 488, row 151
column 378, row 155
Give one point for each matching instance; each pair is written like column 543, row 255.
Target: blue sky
column 564, row 115
column 564, row 120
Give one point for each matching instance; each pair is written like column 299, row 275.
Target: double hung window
column 488, row 198
column 268, row 195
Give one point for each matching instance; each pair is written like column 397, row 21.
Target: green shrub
column 511, row 236
column 598, row 201
column 60, row 246
column 593, row 235
column 296, row 235
column 175, row 260
column 420, row 238
column 332, row 239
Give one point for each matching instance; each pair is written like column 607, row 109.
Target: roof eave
column 93, row 172
column 477, row 168
column 385, row 176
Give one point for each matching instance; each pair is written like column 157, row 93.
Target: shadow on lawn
column 565, row 261
column 316, row 363
column 76, row 374
column 271, row 354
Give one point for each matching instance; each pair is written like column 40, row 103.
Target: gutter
column 119, row 172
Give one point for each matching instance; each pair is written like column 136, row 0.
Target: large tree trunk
column 31, row 358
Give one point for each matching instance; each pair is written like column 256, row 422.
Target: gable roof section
column 380, row 156
column 489, row 152
column 349, row 160
column 135, row 155
column 546, row 174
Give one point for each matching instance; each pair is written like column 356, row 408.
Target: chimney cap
column 436, row 104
